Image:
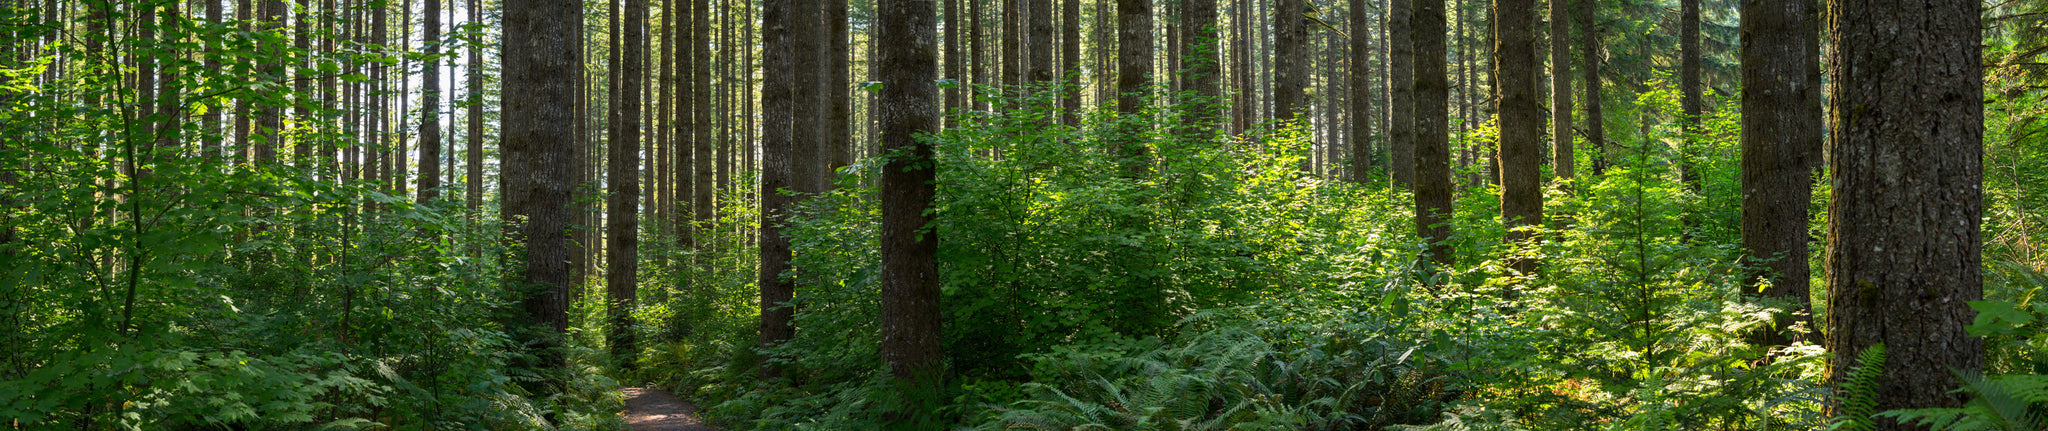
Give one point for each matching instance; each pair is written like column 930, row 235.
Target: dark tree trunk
column 1070, row 63
column 1290, row 60
column 776, row 147
column 1904, row 250
column 1134, row 49
column 1781, row 143
column 474, row 156
column 539, row 149
column 702, row 156
column 1521, row 122
column 1596, row 133
column 1432, row 138
column 1561, row 160
column 1401, row 91
column 269, row 117
column 430, row 104
column 911, row 344
column 622, row 181
column 810, row 101
column 954, row 63
column 1689, row 102
column 837, row 87
column 1243, row 114
column 1040, row 41
column 1203, row 73
column 1361, row 91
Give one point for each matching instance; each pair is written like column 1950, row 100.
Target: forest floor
column 650, row 409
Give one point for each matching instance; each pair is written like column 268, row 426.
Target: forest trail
column 650, row 409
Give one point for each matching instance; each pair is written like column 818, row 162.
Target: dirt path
column 649, row 409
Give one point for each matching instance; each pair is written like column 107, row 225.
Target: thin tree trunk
column 701, row 156
column 953, row 64
column 1070, row 63
column 1561, row 158
column 1904, row 254
column 1689, row 102
column 837, row 88
column 1203, row 72
column 1596, row 133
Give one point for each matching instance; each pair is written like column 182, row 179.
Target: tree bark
column 1906, row 162
column 1689, row 103
column 539, row 147
column 777, row 144
column 1561, row 158
column 1521, row 123
column 911, row 341
column 1290, row 58
column 1070, row 63
column 1361, row 91
column 702, row 156
column 838, row 88
column 1596, row 133
column 1401, row 91
column 1134, row 77
column 1203, row 69
column 1432, row 138
column 622, row 181
column 430, row 103
column 1781, row 143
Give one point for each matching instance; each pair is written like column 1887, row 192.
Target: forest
column 1024, row 214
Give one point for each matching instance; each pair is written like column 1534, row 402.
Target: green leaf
column 871, row 86
column 1997, row 318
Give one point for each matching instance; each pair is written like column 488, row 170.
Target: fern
column 1858, row 395
column 2006, row 403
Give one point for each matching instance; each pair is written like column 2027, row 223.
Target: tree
column 1904, row 252
column 430, row 120
column 1781, row 144
column 1562, row 164
column 776, row 147
column 475, row 153
column 1401, row 92
column 539, row 145
column 1596, row 134
column 1290, row 60
column 907, row 34
column 1361, row 91
column 1432, row 137
column 702, row 155
column 622, row 223
column 1521, row 122
column 1689, row 103
column 1134, row 77
column 1203, row 70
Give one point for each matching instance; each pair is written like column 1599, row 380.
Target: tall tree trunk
column 539, row 145
column 269, row 117
column 911, row 341
column 1361, row 91
column 1781, row 144
column 1521, row 123
column 1401, row 91
column 1040, row 41
column 954, row 64
column 1904, row 253
column 1134, row 48
column 430, row 103
column 622, row 222
column 777, row 146
column 1561, row 160
column 474, row 156
column 1689, row 102
column 1596, row 127
column 1432, row 138
column 837, row 87
column 1070, row 63
column 1203, row 72
column 701, row 156
column 1243, row 115
column 1290, row 60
